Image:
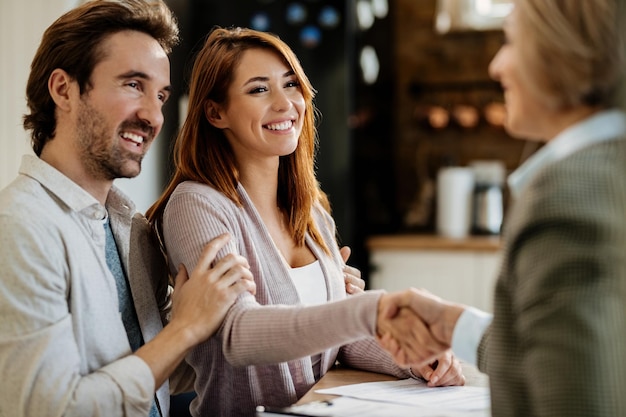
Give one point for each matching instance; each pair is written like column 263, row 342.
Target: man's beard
column 103, row 156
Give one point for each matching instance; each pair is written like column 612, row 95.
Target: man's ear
column 213, row 115
column 60, row 87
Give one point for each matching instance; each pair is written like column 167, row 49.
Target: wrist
column 415, row 376
column 451, row 317
column 181, row 332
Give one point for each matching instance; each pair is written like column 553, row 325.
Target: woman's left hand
column 445, row 371
column 351, row 275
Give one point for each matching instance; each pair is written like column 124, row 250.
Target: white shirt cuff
column 468, row 332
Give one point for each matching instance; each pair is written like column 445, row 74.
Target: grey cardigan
column 262, row 352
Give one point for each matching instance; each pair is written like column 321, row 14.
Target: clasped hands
column 416, row 328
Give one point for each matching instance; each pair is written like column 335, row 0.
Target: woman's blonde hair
column 203, row 154
column 572, row 49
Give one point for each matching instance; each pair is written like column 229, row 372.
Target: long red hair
column 202, row 152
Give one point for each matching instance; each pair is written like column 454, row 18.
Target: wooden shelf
column 434, row 242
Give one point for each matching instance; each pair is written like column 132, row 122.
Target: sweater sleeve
column 368, row 355
column 252, row 333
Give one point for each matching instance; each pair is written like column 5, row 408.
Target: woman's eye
column 293, row 83
column 257, row 90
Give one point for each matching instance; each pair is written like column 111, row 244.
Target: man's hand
column 200, row 302
column 351, row 275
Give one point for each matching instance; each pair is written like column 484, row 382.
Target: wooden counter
column 459, row 270
column 434, row 242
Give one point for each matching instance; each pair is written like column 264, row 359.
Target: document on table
column 415, row 393
column 403, row 398
column 354, row 407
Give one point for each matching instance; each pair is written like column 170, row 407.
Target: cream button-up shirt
column 63, row 347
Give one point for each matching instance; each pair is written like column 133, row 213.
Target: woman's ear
column 214, row 116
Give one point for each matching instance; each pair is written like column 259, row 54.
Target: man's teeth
column 133, row 138
column 280, row 126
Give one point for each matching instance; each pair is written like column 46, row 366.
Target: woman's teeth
column 280, row 126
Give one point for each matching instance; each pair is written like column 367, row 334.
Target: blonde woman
column 557, row 342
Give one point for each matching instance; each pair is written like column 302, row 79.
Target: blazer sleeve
column 482, row 359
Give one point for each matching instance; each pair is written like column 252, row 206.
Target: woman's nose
column 280, row 101
column 494, row 66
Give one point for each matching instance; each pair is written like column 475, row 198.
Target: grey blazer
column 557, row 345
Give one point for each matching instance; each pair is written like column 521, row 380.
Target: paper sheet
column 354, row 407
column 417, row 394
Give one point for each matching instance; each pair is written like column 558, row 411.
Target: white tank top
column 311, row 286
column 310, row 283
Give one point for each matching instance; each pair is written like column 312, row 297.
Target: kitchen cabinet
column 460, row 270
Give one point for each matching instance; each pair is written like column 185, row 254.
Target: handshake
column 416, row 328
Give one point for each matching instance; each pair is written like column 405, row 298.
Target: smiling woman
column 245, row 165
column 556, row 344
column 264, row 114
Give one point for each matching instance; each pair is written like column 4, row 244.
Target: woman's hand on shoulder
column 351, row 275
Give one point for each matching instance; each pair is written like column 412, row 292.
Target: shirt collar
column 70, row 193
column 602, row 126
